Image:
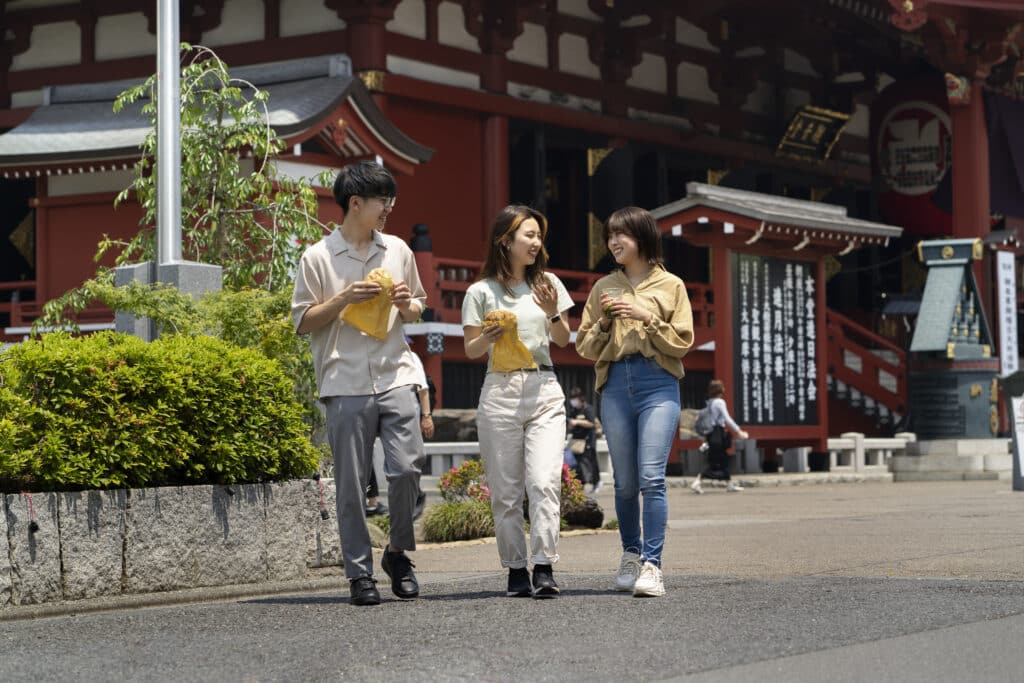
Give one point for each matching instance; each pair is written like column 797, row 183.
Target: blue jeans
column 640, row 414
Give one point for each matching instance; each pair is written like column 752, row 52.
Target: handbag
column 577, row 446
column 719, row 437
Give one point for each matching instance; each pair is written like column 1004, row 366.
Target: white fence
column 445, row 455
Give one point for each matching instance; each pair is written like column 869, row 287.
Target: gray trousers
column 353, row 422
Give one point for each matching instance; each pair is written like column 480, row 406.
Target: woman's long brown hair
column 497, row 264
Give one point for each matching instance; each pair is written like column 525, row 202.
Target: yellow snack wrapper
column 372, row 316
column 509, row 353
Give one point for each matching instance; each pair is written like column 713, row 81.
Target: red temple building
column 792, row 147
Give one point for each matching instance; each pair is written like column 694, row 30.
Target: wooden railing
column 454, row 277
column 854, row 359
column 21, row 314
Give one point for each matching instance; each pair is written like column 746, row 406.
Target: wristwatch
column 555, row 318
column 426, row 415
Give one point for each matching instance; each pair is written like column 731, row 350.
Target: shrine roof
column 77, row 127
column 776, row 211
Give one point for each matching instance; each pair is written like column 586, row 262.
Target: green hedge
column 109, row 411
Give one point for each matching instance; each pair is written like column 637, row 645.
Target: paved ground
column 830, row 582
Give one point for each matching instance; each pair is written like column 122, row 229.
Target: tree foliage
column 238, row 212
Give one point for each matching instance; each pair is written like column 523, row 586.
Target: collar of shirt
column 337, row 244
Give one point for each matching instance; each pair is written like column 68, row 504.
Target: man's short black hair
column 363, row 179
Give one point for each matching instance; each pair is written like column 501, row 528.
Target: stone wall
column 100, row 543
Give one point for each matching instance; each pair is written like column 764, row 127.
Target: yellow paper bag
column 372, row 316
column 509, row 353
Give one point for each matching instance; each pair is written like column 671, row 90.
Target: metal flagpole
column 168, row 128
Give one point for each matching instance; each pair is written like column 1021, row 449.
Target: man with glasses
column 368, row 386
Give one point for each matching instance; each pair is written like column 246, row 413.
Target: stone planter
column 100, row 543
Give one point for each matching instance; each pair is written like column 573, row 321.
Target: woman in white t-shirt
column 521, row 415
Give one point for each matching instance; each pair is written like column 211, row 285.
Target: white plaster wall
column 123, row 35
column 574, row 58
column 299, row 17
column 88, row 183
column 650, row 74
column 528, row 92
column 692, row 83
column 797, row 63
column 692, row 35
column 241, row 21
column 761, row 100
column 432, row 73
column 577, row 8
column 531, row 47
column 51, row 45
column 410, row 19
column 451, row 29
column 860, row 122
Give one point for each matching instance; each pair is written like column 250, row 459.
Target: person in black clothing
column 583, row 427
column 719, row 440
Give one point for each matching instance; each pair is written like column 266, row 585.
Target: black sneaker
column 378, row 509
column 398, row 566
column 544, row 585
column 364, row 591
column 519, row 583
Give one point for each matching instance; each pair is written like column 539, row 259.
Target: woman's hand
column 545, row 296
column 742, row 434
column 619, row 308
column 492, row 332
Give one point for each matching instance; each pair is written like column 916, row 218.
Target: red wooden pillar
column 821, row 351
column 494, row 161
column 721, row 280
column 971, row 202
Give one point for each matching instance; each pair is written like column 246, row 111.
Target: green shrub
column 611, row 525
column 382, row 522
column 457, row 521
column 109, row 410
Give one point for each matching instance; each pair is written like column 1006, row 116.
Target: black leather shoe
column 544, row 585
column 398, row 566
column 364, row 591
column 519, row 583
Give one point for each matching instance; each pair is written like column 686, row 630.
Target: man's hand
column 358, row 292
column 401, row 296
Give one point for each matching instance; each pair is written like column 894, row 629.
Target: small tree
column 253, row 223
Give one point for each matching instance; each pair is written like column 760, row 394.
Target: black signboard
column 812, row 133
column 775, row 338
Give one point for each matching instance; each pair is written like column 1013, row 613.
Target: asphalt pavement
column 826, row 582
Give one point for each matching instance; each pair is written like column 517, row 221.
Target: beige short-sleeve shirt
column 348, row 362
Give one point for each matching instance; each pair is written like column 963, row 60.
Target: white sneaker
column 596, row 489
column 695, row 486
column 649, row 584
column 733, row 486
column 629, row 569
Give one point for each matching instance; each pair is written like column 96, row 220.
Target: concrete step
column 946, row 475
column 959, row 447
column 938, row 463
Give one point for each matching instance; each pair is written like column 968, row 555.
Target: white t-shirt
column 490, row 295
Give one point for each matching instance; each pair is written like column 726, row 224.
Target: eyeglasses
column 387, row 202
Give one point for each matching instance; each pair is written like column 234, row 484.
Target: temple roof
column 76, row 130
column 712, row 214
